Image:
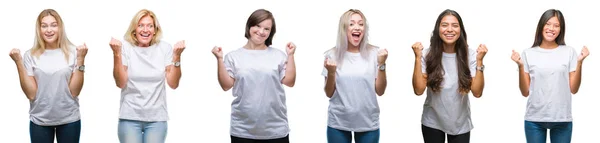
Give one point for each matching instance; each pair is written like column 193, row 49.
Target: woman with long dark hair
column 449, row 70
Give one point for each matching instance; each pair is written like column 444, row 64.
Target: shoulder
column 277, row 51
column 425, row 51
column 529, row 50
column 164, row 45
column 568, row 48
column 472, row 51
column 330, row 52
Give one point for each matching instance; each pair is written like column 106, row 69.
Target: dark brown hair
column 560, row 40
column 257, row 17
column 433, row 60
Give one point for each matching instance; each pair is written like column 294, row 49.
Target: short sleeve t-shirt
column 259, row 109
column 354, row 106
column 448, row 110
column 53, row 104
column 144, row 96
column 549, row 89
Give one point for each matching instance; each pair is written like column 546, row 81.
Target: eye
column 44, row 26
column 351, row 24
column 140, row 26
column 362, row 24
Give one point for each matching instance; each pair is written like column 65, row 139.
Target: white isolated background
column 200, row 111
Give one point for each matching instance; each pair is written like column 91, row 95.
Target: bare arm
column 419, row 79
column 380, row 83
column 575, row 78
column 225, row 80
column 381, row 80
column 28, row 83
column 331, row 68
column 76, row 82
column 119, row 71
column 523, row 76
column 174, row 72
column 329, row 84
column 523, row 81
column 477, row 83
column 290, row 72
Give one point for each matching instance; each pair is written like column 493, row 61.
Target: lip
column 449, row 36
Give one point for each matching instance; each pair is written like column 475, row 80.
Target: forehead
column 266, row 23
column 146, row 20
column 48, row 19
column 553, row 19
column 356, row 17
column 451, row 19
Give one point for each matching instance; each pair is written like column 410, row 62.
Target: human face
column 261, row 32
column 355, row 30
column 449, row 29
column 551, row 29
column 145, row 31
column 49, row 30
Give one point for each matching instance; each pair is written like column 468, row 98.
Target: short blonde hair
column 130, row 34
column 39, row 45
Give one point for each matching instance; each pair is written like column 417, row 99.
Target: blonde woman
column 257, row 73
column 354, row 76
column 142, row 66
column 51, row 76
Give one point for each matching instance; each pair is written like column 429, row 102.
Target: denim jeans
column 131, row 131
column 341, row 136
column 560, row 132
column 66, row 133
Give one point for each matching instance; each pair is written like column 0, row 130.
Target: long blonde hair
column 130, row 34
column 342, row 38
column 39, row 45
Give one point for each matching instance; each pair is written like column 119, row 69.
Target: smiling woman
column 448, row 69
column 51, row 76
column 142, row 65
column 266, row 120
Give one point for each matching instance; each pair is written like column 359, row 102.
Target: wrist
column 176, row 58
column 479, row 63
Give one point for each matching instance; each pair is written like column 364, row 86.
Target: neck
column 51, row 46
column 548, row 44
column 253, row 46
column 449, row 48
column 353, row 49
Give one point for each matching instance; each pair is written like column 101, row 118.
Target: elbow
column 289, row 84
column 120, row 85
column 477, row 95
column 419, row 91
column 173, row 85
column 574, row 91
column 226, row 87
column 380, row 93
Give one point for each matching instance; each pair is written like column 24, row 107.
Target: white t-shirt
column 549, row 89
column 53, row 104
column 448, row 110
column 144, row 96
column 353, row 106
column 259, row 109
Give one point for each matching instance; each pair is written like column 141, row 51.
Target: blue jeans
column 131, row 131
column 560, row 132
column 341, row 136
column 66, row 133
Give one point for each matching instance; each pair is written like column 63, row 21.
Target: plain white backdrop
column 200, row 111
